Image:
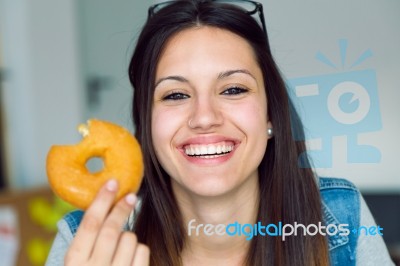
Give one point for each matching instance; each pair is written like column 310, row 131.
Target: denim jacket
column 341, row 204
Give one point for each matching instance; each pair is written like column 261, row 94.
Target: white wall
column 50, row 48
column 42, row 93
column 108, row 30
column 298, row 30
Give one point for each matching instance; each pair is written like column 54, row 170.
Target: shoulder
column 326, row 183
column 342, row 203
column 67, row 228
column 340, row 195
column 73, row 219
column 340, row 200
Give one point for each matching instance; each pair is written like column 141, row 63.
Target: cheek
column 165, row 124
column 252, row 116
column 159, row 130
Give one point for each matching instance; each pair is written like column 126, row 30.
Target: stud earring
column 270, row 132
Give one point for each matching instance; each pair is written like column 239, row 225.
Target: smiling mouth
column 209, row 151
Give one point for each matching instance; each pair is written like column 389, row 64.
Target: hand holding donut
column 100, row 240
column 66, row 165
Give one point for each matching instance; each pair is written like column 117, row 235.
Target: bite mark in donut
column 66, row 167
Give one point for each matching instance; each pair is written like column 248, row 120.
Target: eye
column 234, row 91
column 175, row 96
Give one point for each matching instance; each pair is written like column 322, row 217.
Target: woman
column 217, row 132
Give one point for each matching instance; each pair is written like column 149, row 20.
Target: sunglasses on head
column 248, row 6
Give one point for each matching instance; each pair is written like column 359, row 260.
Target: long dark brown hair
column 288, row 193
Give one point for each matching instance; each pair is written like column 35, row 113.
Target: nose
column 206, row 114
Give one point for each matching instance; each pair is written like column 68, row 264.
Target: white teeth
column 208, row 151
column 211, row 149
column 203, row 150
column 219, row 149
column 223, row 149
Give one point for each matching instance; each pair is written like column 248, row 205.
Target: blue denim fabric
column 73, row 220
column 340, row 205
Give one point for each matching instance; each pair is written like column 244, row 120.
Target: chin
column 212, row 186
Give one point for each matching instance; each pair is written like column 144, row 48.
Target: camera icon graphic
column 339, row 104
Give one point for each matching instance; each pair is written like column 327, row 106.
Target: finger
column 92, row 221
column 142, row 256
column 107, row 240
column 126, row 249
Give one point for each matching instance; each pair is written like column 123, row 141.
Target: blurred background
column 65, row 61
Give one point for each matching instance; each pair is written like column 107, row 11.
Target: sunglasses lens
column 249, row 7
column 155, row 8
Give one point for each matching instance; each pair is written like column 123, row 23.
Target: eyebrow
column 176, row 78
column 221, row 75
column 235, row 71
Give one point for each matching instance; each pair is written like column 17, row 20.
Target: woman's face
column 209, row 116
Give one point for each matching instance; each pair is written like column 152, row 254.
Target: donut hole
column 95, row 165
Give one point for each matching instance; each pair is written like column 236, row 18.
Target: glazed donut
column 116, row 146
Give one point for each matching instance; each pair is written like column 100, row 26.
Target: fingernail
column 112, row 185
column 130, row 198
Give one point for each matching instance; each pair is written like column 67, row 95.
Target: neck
column 205, row 219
